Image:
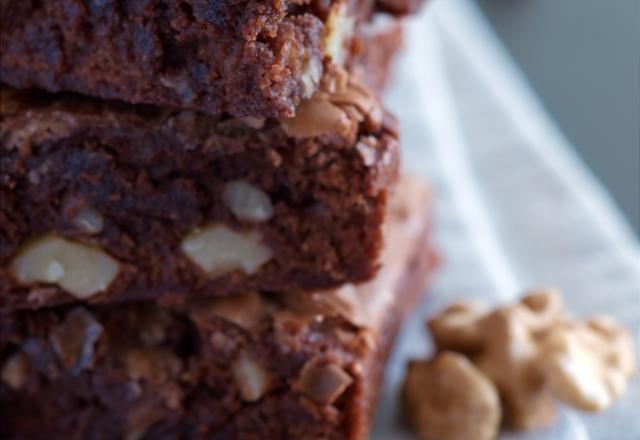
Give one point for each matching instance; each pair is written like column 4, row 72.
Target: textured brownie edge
column 328, row 188
column 342, row 416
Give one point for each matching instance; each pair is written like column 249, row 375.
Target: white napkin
column 515, row 208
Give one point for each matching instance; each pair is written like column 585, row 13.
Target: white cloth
column 515, row 208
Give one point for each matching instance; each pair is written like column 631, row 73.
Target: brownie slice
column 102, row 201
column 242, row 58
column 373, row 52
column 253, row 366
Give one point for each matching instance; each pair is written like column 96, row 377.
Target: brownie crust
column 251, row 366
column 141, row 187
column 241, row 58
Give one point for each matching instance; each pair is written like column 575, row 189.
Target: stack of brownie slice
column 203, row 230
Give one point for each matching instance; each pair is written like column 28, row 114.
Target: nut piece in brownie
column 103, row 201
column 244, row 58
column 248, row 366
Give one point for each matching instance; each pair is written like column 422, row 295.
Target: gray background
column 582, row 59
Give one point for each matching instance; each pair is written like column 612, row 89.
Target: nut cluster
column 531, row 352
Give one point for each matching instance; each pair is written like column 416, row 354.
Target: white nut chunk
column 81, row 270
column 323, row 382
column 247, row 201
column 218, row 250
column 588, row 365
column 339, row 29
column 251, row 378
column 447, row 398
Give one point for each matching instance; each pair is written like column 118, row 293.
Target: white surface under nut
column 247, row 201
column 447, row 398
column 218, row 250
column 79, row 269
column 251, row 378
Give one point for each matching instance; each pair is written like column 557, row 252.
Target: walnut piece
column 81, row 270
column 247, row 201
column 338, row 107
column 251, row 378
column 218, row 250
column 509, row 357
column 456, row 327
column 339, row 29
column 75, row 338
column 535, row 351
column 322, row 381
column 15, row 371
column 448, row 398
column 588, row 364
column 245, row 310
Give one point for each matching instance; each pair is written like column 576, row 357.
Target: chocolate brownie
column 399, row 7
column 252, row 366
column 102, row 201
column 243, row 58
column 373, row 52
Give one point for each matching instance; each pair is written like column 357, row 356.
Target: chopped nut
column 251, row 378
column 339, row 28
column 247, row 202
column 323, row 382
column 310, row 76
column 588, row 365
column 75, row 338
column 88, row 220
column 15, row 370
column 218, row 250
column 154, row 365
column 447, row 398
column 79, row 269
column 245, row 310
column 337, row 107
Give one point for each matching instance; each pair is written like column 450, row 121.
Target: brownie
column 373, row 52
column 241, row 58
column 399, row 7
column 103, row 201
column 252, row 366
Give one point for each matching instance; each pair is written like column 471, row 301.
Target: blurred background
column 582, row 58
